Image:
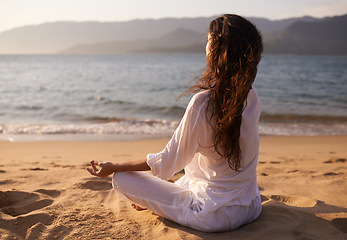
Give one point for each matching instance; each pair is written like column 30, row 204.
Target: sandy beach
column 46, row 193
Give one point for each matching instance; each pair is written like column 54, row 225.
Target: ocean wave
column 125, row 113
column 29, row 108
column 108, row 101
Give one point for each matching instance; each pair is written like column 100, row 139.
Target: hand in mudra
column 103, row 169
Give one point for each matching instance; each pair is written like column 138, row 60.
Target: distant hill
column 270, row 28
column 304, row 35
column 184, row 39
column 328, row 36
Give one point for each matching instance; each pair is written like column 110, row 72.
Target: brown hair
column 235, row 47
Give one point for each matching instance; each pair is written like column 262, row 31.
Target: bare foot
column 138, row 208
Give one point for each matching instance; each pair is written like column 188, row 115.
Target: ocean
column 135, row 96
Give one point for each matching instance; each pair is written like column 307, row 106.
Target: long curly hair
column 233, row 53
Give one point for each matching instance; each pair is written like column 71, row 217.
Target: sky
column 17, row 13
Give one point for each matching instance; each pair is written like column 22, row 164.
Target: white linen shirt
column 208, row 176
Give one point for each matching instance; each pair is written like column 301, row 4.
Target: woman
column 216, row 142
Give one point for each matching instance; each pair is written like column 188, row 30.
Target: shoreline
column 80, row 137
column 46, row 193
column 121, row 137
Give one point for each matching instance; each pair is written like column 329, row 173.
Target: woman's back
column 208, row 171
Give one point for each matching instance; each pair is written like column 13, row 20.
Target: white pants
column 174, row 202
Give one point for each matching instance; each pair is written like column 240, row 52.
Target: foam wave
column 148, row 127
column 266, row 117
column 302, row 129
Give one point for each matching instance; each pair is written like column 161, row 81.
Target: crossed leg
column 177, row 203
column 167, row 199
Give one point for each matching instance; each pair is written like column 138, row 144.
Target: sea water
column 133, row 96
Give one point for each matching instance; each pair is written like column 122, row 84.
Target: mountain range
column 306, row 35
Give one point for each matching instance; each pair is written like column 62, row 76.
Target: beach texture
column 46, row 193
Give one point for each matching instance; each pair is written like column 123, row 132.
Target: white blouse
column 207, row 175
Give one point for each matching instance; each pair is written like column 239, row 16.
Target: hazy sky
column 15, row 13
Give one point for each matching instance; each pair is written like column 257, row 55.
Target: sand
column 45, row 192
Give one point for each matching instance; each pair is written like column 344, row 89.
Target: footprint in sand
column 34, row 169
column 18, row 212
column 331, row 174
column 294, row 201
column 51, row 193
column 38, row 169
column 264, row 198
column 293, row 171
column 95, row 185
column 11, row 197
column 275, row 162
column 340, row 223
column 336, row 160
column 6, row 182
column 16, row 203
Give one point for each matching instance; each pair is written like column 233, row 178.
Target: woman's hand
column 105, row 169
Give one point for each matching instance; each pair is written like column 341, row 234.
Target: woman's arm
column 107, row 168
